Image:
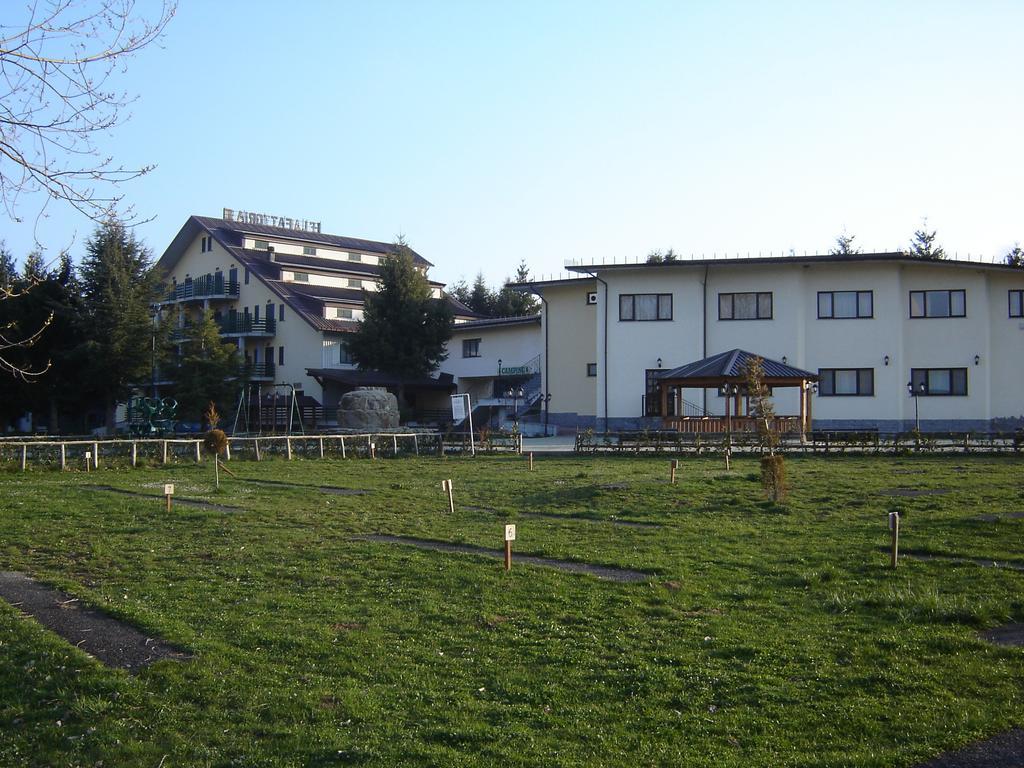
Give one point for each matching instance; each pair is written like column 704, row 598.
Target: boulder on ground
column 368, row 409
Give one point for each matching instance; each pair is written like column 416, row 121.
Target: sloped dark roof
column 234, row 230
column 731, row 364
column 377, row 379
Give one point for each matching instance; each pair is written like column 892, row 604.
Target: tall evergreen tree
column 404, row 329
column 208, row 371
column 118, row 287
column 8, row 271
column 512, row 303
column 481, row 298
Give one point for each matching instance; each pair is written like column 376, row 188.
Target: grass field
column 767, row 635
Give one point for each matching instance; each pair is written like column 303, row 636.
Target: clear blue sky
column 489, row 133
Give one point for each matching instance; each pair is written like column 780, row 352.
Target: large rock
column 368, row 409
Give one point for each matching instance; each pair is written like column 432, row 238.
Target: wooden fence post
column 288, row 447
column 135, row 453
column 415, row 444
column 321, row 447
column 165, row 451
column 394, row 439
column 256, row 443
column 63, row 457
column 24, row 456
column 96, row 455
column 199, row 456
column 343, row 446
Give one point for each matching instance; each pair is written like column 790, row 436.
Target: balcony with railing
column 236, row 325
column 259, row 371
column 209, row 286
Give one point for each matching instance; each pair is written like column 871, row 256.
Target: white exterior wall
column 572, row 339
column 301, row 342
column 515, row 345
column 796, row 333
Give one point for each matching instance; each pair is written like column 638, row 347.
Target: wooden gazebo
column 725, row 372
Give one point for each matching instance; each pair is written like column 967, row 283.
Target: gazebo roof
column 731, row 364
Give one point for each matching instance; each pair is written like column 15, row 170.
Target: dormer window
column 261, row 245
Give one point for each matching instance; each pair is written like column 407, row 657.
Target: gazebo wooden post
column 803, row 410
column 663, row 391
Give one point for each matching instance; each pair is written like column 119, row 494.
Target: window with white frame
column 939, row 381
column 938, row 303
column 846, row 382
column 261, row 245
column 645, row 306
column 745, row 306
column 308, row 250
column 354, row 283
column 836, row 305
column 355, row 256
column 471, row 347
column 300, row 277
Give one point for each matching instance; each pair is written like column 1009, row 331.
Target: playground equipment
column 280, row 396
column 152, row 416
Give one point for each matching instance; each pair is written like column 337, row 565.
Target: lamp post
column 515, row 394
column 915, row 393
column 727, row 391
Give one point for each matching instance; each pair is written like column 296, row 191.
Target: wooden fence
column 813, row 442
column 89, row 455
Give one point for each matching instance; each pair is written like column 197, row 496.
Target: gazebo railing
column 721, row 424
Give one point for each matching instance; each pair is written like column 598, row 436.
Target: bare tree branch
column 57, row 67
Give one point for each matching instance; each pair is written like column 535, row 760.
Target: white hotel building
column 864, row 325
column 287, row 296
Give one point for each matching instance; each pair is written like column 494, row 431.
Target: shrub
column 773, row 477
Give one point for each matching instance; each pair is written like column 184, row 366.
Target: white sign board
column 510, row 533
column 168, row 489
column 88, row 454
column 458, row 408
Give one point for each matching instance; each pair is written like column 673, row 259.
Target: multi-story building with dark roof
column 287, row 297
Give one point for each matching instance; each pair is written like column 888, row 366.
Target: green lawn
column 766, row 636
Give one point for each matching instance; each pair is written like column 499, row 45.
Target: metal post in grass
column 24, row 456
column 135, row 453
column 394, row 439
column 288, row 447
column 256, row 444
column 63, row 457
column 510, row 536
column 321, row 447
column 343, row 446
column 95, row 455
column 894, row 531
column 165, row 452
column 531, row 461
column 415, row 444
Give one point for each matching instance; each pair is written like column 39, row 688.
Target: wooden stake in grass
column 510, row 536
column 88, row 460
column 446, row 485
column 894, row 530
column 728, row 455
column 672, row 473
column 373, row 450
column 215, row 440
column 168, row 493
column 531, row 461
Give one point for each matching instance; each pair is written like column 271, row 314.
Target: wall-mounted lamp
column 886, row 359
column 659, row 362
column 499, row 366
column 785, row 360
column 977, row 359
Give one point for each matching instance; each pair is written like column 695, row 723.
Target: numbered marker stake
column 88, row 460
column 168, row 492
column 446, row 485
column 510, row 536
column 894, row 530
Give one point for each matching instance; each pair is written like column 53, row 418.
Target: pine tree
column 1015, row 256
column 481, row 298
column 844, row 246
column 118, row 288
column 510, row 302
column 207, row 372
column 923, row 246
column 404, row 329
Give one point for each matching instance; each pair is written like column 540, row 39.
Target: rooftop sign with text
column 268, row 220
